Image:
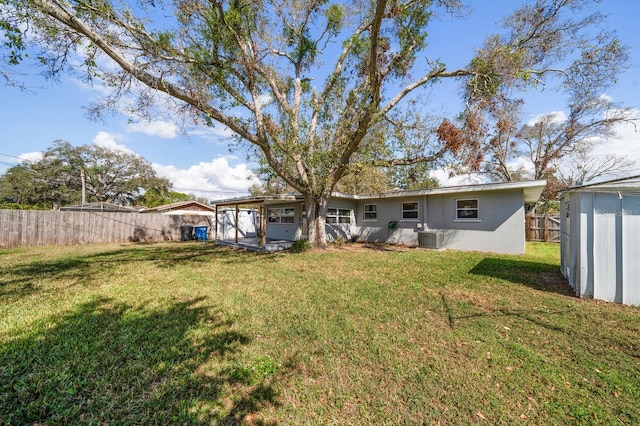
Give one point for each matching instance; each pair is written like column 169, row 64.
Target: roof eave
column 532, row 189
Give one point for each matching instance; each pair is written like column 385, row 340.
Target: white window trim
column 417, row 210
column 364, row 213
column 337, row 216
column 474, row 220
column 280, row 216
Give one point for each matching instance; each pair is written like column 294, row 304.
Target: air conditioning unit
column 430, row 239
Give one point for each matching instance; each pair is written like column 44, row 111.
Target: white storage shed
column 600, row 244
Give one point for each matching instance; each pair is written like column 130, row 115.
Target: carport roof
column 258, row 199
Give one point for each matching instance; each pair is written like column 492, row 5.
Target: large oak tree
column 69, row 174
column 319, row 89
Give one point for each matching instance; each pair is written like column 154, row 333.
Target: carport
column 260, row 203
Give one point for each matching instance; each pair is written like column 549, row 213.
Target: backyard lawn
column 191, row 333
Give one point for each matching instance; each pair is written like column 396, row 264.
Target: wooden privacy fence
column 542, row 228
column 24, row 228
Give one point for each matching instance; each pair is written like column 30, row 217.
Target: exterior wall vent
column 430, row 239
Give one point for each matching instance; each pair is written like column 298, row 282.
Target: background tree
column 155, row 197
column 417, row 176
column 583, row 166
column 56, row 180
column 309, row 84
column 271, row 183
column 15, row 194
column 499, row 143
column 368, row 180
column 551, row 147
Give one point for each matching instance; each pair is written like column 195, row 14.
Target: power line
column 12, row 156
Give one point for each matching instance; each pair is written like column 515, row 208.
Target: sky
column 201, row 163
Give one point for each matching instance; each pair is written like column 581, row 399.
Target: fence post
column 546, row 228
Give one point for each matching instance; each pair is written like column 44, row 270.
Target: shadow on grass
column 536, row 275
column 106, row 363
column 22, row 280
column 171, row 255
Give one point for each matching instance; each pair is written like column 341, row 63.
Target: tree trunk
column 316, row 213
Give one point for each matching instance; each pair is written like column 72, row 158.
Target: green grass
column 190, row 333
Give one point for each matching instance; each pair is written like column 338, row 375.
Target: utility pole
column 83, row 185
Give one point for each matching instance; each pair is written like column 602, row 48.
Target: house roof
column 531, row 189
column 99, row 207
column 181, row 205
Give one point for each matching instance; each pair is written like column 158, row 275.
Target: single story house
column 600, row 243
column 482, row 217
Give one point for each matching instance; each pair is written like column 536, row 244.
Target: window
column 281, row 215
column 410, row 210
column 370, row 212
column 338, row 216
column 467, row 209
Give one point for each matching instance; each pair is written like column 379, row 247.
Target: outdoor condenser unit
column 430, row 239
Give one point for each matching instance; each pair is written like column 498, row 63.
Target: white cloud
column 7, row 161
column 212, row 180
column 558, row 117
column 265, row 99
column 162, row 129
column 521, row 163
column 626, row 143
column 31, row 156
column 108, row 140
column 445, row 178
column 212, row 133
column 606, row 98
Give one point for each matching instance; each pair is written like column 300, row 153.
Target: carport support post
column 237, row 212
column 215, row 224
column 263, row 225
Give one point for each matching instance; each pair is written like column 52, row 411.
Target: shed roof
column 620, row 184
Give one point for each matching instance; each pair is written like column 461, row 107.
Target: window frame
column 282, row 213
column 404, row 211
column 373, row 212
column 459, row 209
column 337, row 216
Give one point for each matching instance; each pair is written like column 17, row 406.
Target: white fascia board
column 532, row 190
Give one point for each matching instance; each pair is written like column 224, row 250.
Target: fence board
column 24, row 228
column 542, row 228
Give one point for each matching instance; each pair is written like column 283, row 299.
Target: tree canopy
column 319, row 89
column 57, row 179
column 553, row 146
